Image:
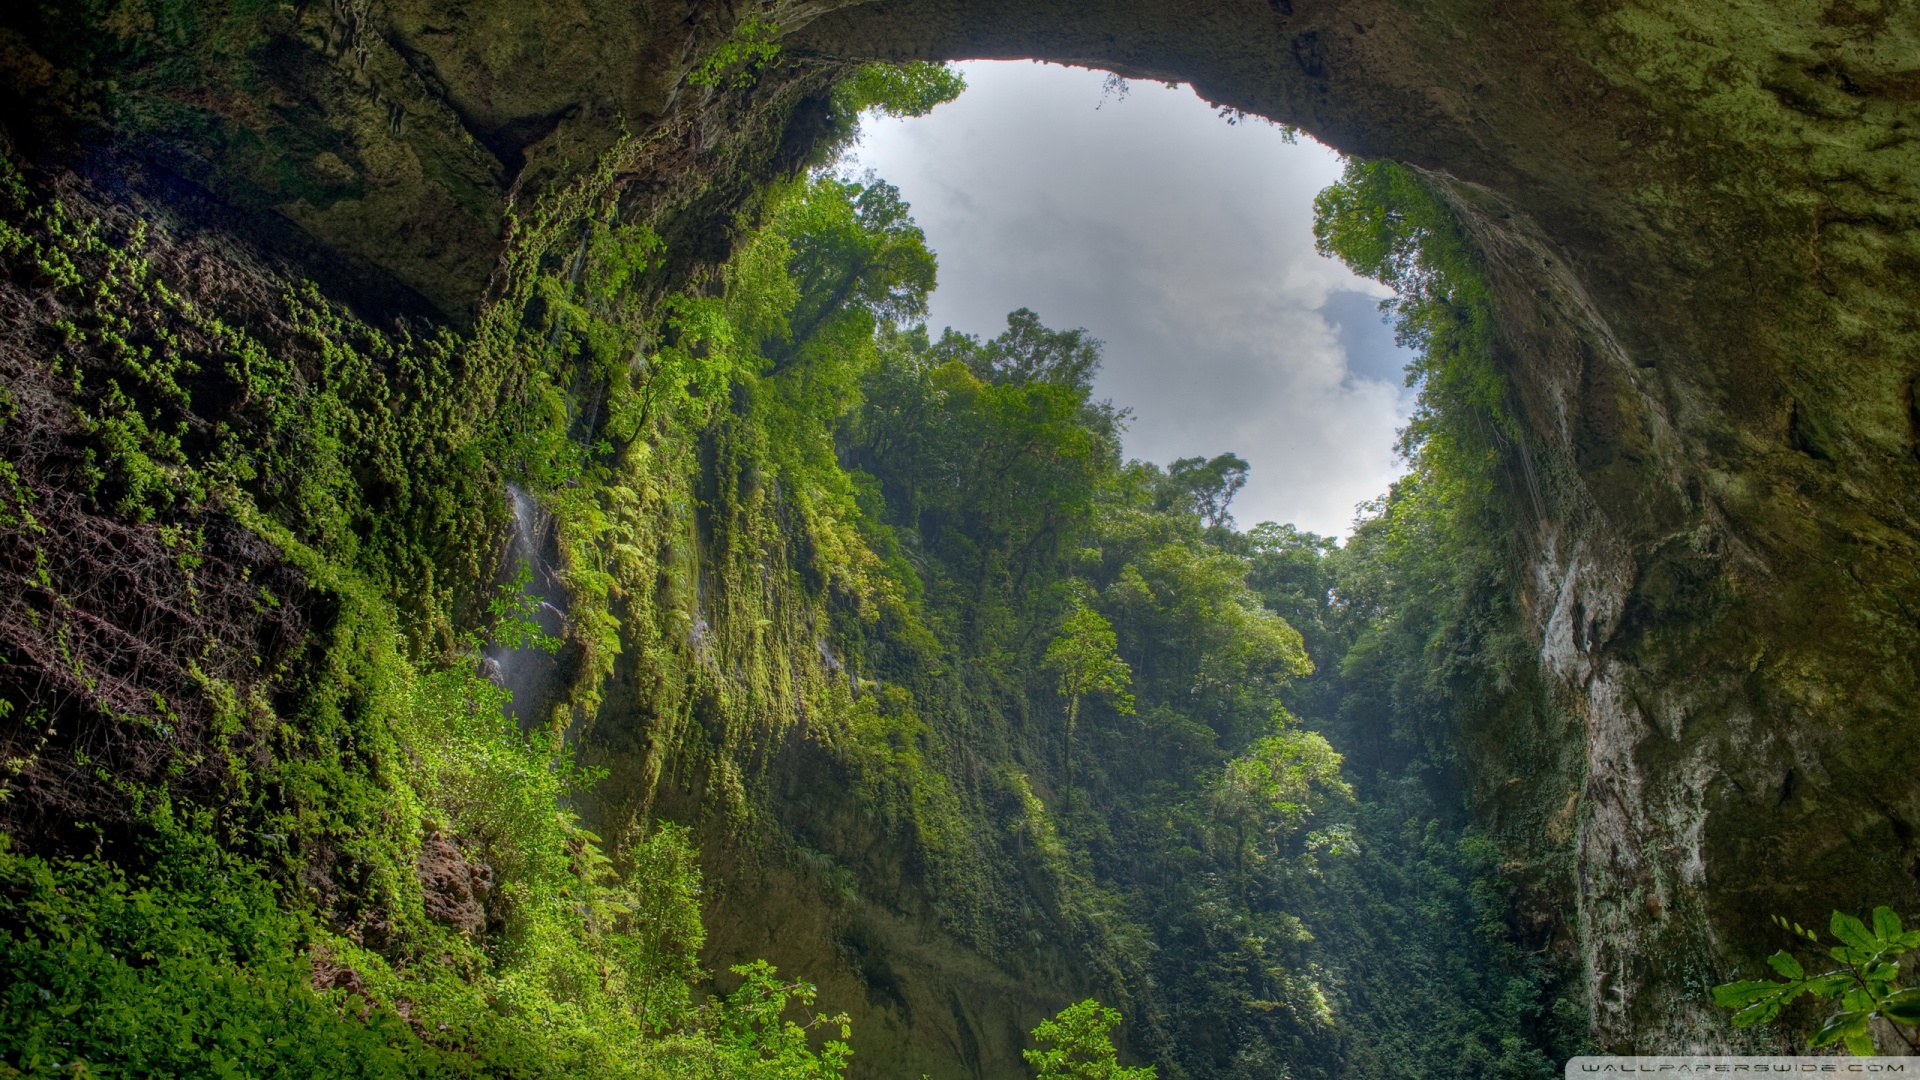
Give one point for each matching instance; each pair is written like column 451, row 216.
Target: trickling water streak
column 531, row 675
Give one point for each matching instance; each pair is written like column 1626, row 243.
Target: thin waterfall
column 532, row 675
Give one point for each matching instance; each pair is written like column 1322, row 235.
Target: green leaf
column 1835, row 1030
column 1738, row 995
column 1902, row 1005
column 1852, row 1028
column 1757, row 1002
column 1830, row 985
column 1784, row 963
column 1852, row 932
column 1850, row 956
column 1886, row 925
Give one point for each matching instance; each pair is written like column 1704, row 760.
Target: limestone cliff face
column 1701, row 218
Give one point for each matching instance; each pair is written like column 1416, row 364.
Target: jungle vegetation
column 1215, row 763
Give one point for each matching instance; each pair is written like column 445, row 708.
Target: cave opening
column 315, row 310
column 1180, row 235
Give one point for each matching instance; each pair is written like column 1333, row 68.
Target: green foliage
column 738, row 61
column 1083, row 655
column 361, row 866
column 855, row 258
column 1028, row 352
column 193, row 969
column 370, row 449
column 1866, row 982
column 1300, row 920
column 197, row 969
column 1434, row 589
column 1210, row 484
column 888, row 534
column 1281, row 781
column 1081, row 1048
column 900, row 90
column 514, row 611
column 1048, row 570
column 1414, row 627
column 754, row 1042
column 1386, row 223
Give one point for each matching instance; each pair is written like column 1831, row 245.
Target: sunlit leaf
column 1886, row 925
column 1852, row 932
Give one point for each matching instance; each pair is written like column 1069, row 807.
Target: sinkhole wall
column 1698, row 216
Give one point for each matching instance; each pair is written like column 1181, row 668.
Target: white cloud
column 1183, row 242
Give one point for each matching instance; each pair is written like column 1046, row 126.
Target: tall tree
column 1208, row 485
column 1085, row 654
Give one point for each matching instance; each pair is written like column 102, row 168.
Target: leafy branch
column 1864, row 983
column 516, row 616
column 1080, row 1048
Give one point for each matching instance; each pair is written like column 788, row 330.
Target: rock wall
column 1699, row 217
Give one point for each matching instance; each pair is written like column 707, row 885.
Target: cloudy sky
column 1186, row 244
